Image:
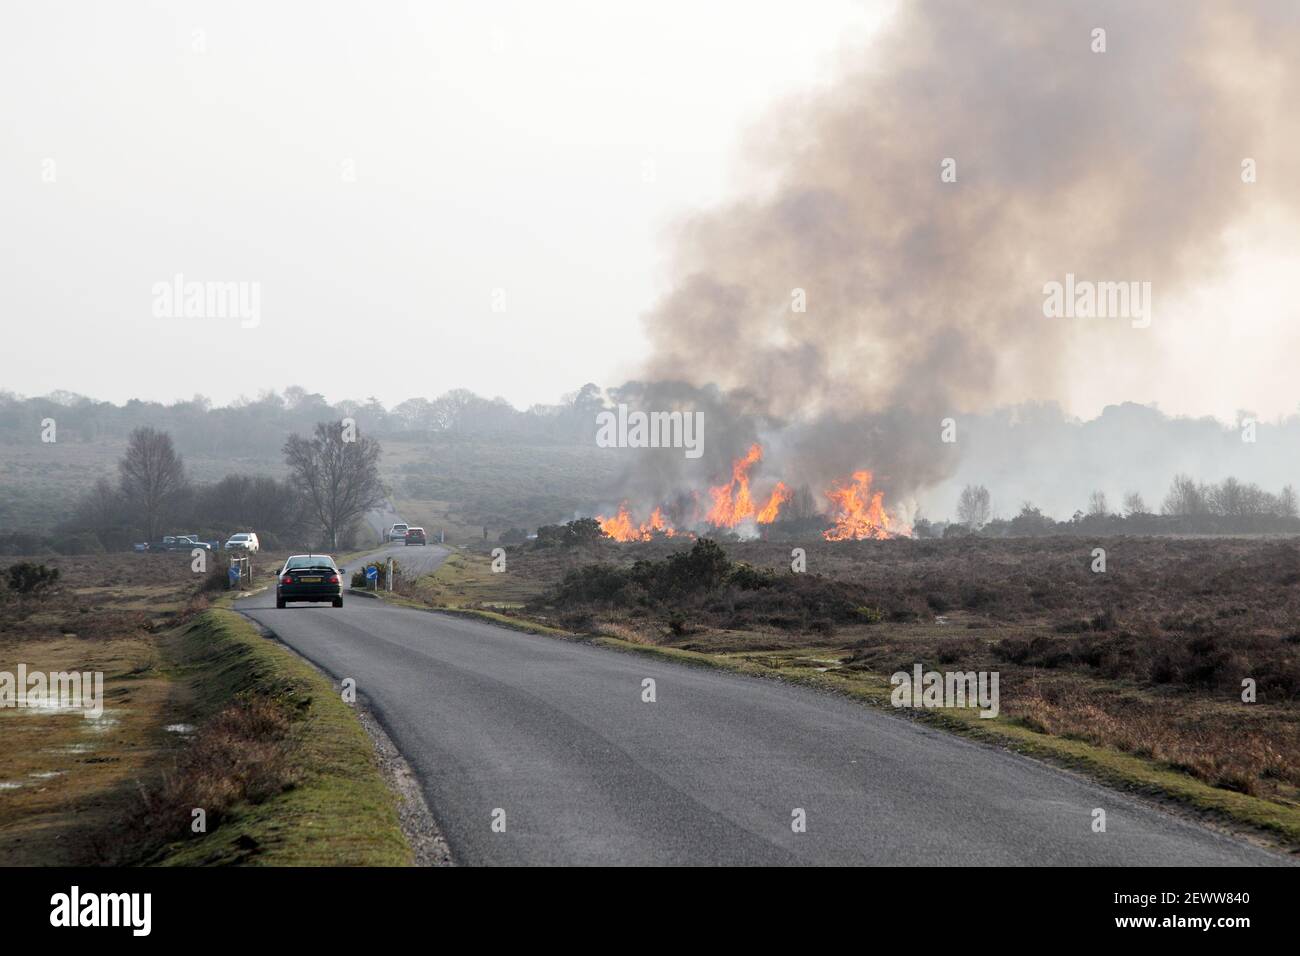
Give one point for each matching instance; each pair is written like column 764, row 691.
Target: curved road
column 555, row 734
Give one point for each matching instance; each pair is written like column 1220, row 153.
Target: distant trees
column 1229, row 498
column 338, row 472
column 1286, row 502
column 1097, row 506
column 250, row 502
column 1134, row 504
column 973, row 507
column 1185, row 497
column 1031, row 521
column 152, row 478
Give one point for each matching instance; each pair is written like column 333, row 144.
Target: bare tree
column 973, row 509
column 1097, row 506
column 100, row 507
column 1185, row 497
column 152, row 478
column 1286, row 502
column 1134, row 504
column 339, row 473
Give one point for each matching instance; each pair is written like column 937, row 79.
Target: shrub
column 749, row 578
column 359, row 575
column 29, row 578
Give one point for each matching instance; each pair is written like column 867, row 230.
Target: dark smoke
column 924, row 299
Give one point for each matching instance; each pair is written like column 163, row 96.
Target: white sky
column 496, row 146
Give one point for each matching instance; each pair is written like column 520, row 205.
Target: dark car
column 312, row 578
column 416, row 536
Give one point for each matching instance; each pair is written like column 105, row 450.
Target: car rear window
column 310, row 561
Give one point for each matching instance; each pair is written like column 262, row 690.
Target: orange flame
column 733, row 502
column 858, row 511
column 622, row 528
column 780, row 495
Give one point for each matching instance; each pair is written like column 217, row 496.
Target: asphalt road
column 557, row 736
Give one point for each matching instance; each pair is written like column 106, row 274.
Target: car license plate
column 309, row 580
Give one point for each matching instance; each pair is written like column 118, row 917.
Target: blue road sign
column 372, row 572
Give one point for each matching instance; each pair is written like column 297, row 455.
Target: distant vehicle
column 311, row 578
column 173, row 542
column 244, row 541
column 416, row 536
column 398, row 532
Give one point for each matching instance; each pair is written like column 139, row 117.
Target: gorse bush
column 704, row 586
column 28, row 578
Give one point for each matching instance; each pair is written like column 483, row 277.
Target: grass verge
column 279, row 763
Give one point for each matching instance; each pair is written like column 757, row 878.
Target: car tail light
column 334, row 579
column 287, row 580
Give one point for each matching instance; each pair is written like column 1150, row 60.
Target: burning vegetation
column 854, row 511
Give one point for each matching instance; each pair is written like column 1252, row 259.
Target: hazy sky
column 431, row 196
column 537, row 149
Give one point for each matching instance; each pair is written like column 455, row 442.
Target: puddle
column 180, row 728
column 71, row 749
column 941, row 620
column 47, row 774
column 104, row 722
column 9, row 785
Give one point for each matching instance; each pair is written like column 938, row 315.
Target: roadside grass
column 316, row 799
column 466, row 579
column 200, row 712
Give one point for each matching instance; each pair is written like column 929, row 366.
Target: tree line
column 1189, row 507
column 256, row 427
column 333, row 481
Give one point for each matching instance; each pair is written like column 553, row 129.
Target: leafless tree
column 1286, row 502
column 1185, row 497
column 152, row 478
column 973, row 508
column 1097, row 506
column 338, row 476
column 1134, row 504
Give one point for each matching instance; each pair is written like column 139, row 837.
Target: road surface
column 553, row 738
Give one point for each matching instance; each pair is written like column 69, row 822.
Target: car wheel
column 279, row 602
column 338, row 602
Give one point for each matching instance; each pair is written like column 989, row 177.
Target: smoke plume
column 924, row 298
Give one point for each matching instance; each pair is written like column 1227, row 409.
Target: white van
column 244, row 541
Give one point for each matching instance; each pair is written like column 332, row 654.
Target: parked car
column 244, row 541
column 416, row 536
column 398, row 532
column 310, row 578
